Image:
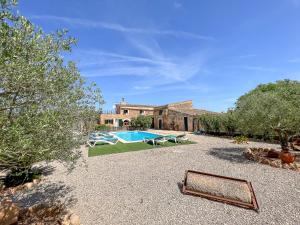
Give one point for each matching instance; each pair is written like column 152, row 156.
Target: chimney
column 123, row 101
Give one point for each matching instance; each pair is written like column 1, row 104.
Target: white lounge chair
column 111, row 141
column 157, row 140
column 182, row 138
column 177, row 138
column 100, row 135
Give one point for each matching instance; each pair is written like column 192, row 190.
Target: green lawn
column 103, row 149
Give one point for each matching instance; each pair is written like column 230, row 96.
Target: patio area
column 143, row 187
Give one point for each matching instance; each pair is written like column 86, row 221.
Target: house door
column 160, row 124
column 186, row 125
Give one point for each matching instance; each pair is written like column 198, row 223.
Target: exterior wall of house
column 124, row 112
column 114, row 117
column 173, row 120
column 161, row 113
column 136, row 111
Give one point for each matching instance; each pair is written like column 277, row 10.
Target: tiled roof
column 136, row 105
column 174, row 104
column 192, row 112
column 152, row 106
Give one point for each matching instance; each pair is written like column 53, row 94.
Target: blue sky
column 161, row 51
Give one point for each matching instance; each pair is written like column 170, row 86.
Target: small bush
column 141, row 122
column 101, row 127
column 241, row 140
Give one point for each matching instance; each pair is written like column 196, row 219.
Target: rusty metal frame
column 253, row 205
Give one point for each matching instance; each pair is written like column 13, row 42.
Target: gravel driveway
column 143, row 187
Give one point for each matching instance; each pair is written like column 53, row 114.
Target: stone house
column 177, row 116
column 174, row 116
column 123, row 114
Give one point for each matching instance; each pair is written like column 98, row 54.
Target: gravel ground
column 143, row 187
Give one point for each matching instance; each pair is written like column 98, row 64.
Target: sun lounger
column 165, row 138
column 100, row 135
column 181, row 138
column 111, row 141
column 177, row 138
column 158, row 140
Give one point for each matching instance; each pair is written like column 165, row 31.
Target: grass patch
column 104, row 149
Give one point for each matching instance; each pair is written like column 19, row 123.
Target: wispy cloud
column 141, row 71
column 247, row 56
column 295, row 2
column 254, row 68
column 230, row 100
column 120, row 28
column 177, row 5
column 150, row 68
column 96, row 57
column 141, row 87
column 294, row 60
column 199, row 88
column 151, row 62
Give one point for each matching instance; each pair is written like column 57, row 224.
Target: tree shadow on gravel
column 230, row 154
column 46, row 193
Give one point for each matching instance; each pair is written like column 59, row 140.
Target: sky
column 162, row 51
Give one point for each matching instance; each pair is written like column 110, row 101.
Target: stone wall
column 172, row 120
column 133, row 112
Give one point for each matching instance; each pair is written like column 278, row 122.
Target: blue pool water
column 134, row 136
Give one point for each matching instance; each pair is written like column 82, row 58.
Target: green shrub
column 241, row 140
column 229, row 122
column 141, row 122
column 211, row 122
column 102, row 127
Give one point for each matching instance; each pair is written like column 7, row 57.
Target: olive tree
column 272, row 108
column 211, row 122
column 229, row 121
column 42, row 97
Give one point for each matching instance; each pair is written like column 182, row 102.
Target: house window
column 125, row 111
column 160, row 112
column 142, row 112
column 109, row 121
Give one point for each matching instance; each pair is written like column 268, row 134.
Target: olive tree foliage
column 217, row 123
column 42, row 97
column 211, row 122
column 229, row 122
column 272, row 108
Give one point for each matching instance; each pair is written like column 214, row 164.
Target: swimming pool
column 134, row 136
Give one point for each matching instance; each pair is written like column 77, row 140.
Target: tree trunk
column 283, row 138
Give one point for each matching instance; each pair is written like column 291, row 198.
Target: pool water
column 134, row 136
